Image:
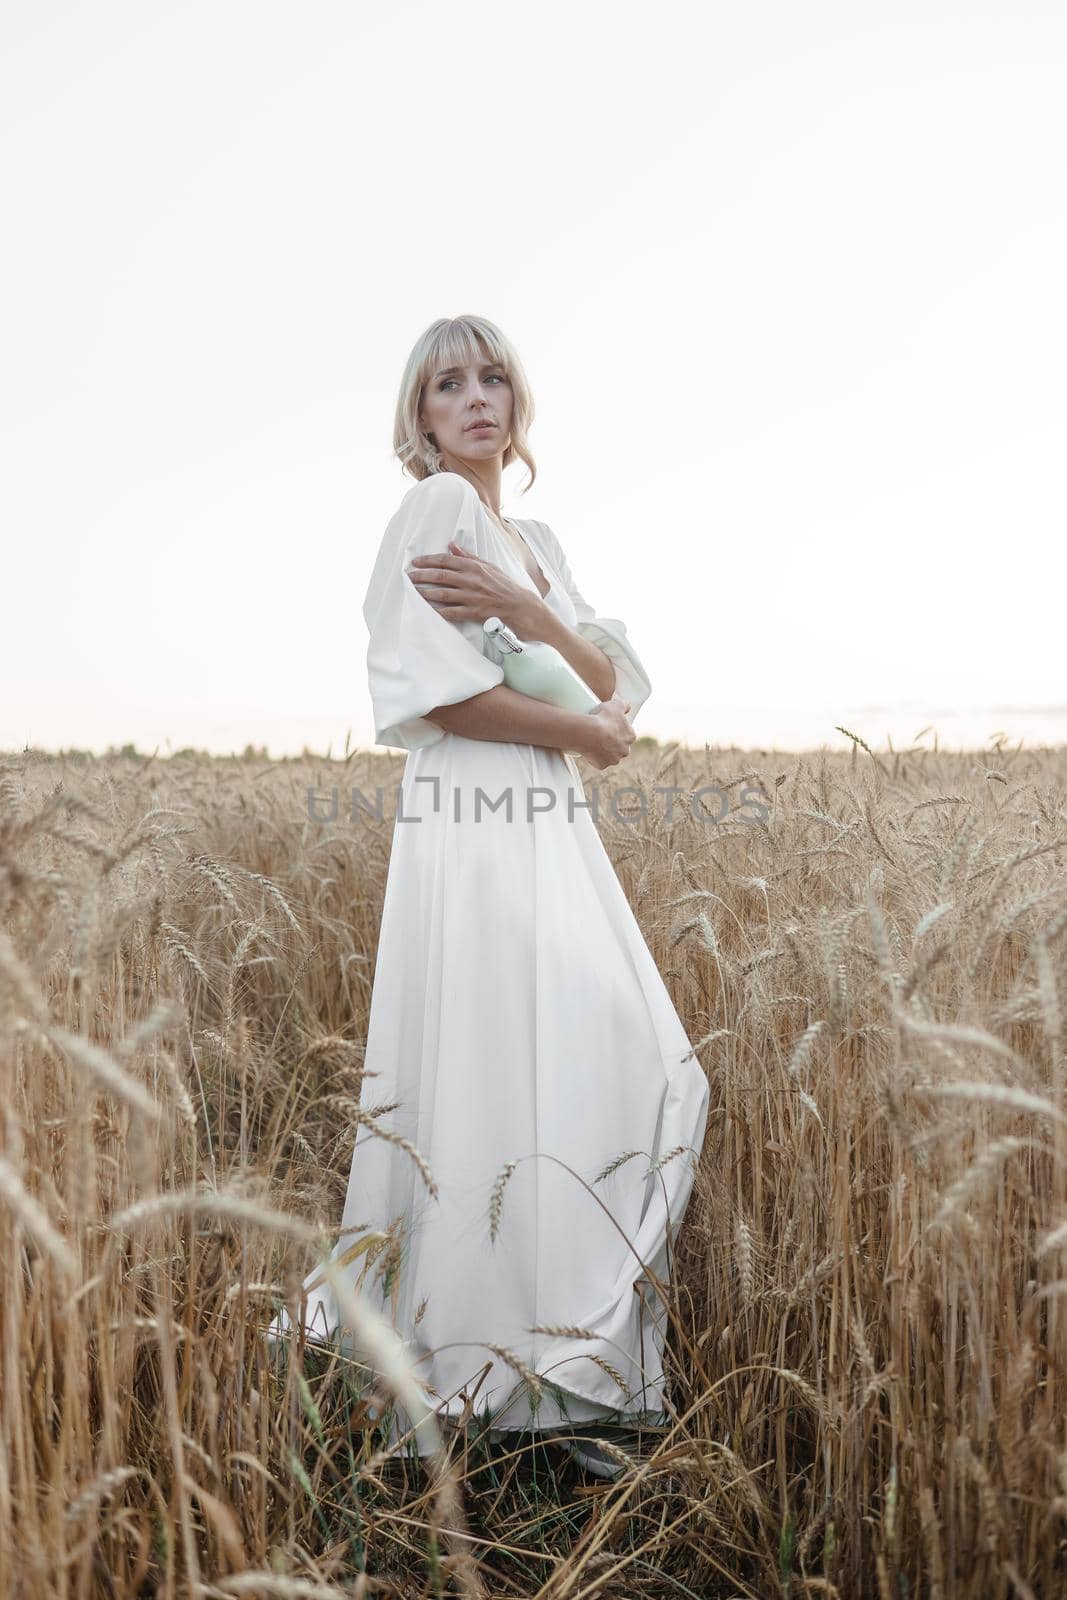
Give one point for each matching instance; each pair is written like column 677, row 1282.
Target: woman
column 517, row 1014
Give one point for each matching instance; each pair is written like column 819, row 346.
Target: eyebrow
column 445, row 371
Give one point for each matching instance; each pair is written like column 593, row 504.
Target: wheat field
column 867, row 1357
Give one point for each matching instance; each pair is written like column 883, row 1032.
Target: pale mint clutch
column 538, row 669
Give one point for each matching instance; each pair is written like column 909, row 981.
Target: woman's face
column 456, row 398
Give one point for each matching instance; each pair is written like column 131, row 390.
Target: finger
column 454, row 556
column 437, row 578
column 435, row 558
column 453, row 613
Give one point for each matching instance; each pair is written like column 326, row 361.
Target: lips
column 480, row 427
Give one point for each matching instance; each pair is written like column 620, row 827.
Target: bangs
column 462, row 343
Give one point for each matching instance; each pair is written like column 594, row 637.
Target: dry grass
column 868, row 1353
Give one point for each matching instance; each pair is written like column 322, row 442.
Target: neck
column 485, row 478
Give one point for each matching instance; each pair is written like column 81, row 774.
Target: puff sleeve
column 416, row 658
column 631, row 679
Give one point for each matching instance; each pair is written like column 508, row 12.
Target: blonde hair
column 458, row 342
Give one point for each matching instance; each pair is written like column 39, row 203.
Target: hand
column 609, row 733
column 463, row 588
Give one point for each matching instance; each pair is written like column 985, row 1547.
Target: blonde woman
column 519, row 1029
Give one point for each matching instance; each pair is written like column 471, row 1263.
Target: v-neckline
column 515, row 557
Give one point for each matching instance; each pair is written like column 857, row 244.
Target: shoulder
column 444, row 489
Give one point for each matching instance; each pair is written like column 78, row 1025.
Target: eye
column 500, row 377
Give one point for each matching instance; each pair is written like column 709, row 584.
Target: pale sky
column 787, row 282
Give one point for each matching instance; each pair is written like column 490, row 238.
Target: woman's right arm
column 603, row 736
column 413, row 653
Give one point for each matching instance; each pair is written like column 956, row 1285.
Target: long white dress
column 517, row 1014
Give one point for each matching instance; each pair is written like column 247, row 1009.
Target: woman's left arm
column 588, row 660
column 462, row 587
column 606, row 635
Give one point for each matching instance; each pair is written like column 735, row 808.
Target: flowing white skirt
column 517, row 1016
